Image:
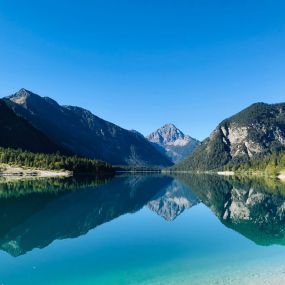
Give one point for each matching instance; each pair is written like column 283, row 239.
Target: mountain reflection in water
column 35, row 213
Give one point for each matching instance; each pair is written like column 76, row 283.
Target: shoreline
column 20, row 172
column 279, row 176
column 227, row 173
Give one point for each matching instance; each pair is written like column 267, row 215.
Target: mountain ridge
column 83, row 133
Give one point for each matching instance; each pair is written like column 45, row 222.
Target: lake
column 142, row 229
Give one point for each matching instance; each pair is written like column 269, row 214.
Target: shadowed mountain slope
column 81, row 132
column 16, row 132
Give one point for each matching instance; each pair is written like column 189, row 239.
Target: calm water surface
column 142, row 230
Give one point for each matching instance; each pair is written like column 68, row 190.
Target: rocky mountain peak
column 169, row 134
column 23, row 91
column 172, row 141
column 25, row 97
column 21, row 96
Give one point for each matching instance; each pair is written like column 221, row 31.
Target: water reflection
column 173, row 200
column 254, row 208
column 38, row 218
column 35, row 213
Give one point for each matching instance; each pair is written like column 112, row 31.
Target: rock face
column 16, row 132
column 172, row 201
column 253, row 133
column 82, row 133
column 173, row 142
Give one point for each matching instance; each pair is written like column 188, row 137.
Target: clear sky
column 144, row 63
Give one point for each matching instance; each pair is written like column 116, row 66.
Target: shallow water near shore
column 143, row 229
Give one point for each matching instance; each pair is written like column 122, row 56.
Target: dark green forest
column 17, row 157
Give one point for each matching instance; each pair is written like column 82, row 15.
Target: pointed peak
column 169, row 126
column 171, row 129
column 23, row 96
column 24, row 92
column 169, row 133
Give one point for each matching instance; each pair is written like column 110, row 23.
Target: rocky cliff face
column 246, row 142
column 173, row 142
column 82, row 133
column 253, row 133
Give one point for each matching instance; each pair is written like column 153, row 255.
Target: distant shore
column 280, row 176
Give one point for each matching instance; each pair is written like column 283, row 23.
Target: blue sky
column 141, row 64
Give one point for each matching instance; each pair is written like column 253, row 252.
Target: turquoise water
column 143, row 230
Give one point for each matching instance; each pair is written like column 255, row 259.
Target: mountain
column 255, row 132
column 82, row 133
column 172, row 142
column 16, row 132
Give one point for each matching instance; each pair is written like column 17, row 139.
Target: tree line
column 272, row 164
column 18, row 157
